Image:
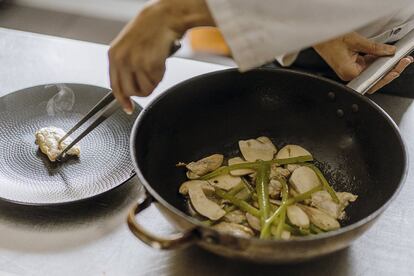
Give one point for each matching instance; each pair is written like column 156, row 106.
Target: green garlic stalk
column 262, row 190
column 256, row 165
column 243, row 205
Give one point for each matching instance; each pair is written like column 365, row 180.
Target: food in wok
column 266, row 193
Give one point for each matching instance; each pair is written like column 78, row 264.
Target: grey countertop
column 91, row 238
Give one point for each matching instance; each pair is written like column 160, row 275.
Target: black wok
column 355, row 142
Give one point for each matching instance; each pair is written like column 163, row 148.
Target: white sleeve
column 258, row 31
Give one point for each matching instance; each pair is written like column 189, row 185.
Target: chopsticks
column 103, row 110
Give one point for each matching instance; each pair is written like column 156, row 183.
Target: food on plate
column 48, row 140
column 264, row 193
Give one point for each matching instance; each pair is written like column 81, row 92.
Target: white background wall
column 109, row 9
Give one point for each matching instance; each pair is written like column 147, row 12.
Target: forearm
column 137, row 55
column 182, row 15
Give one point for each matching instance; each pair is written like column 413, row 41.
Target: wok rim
column 199, row 226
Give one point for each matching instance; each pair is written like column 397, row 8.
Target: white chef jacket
column 257, row 31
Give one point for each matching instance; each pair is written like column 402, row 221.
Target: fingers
column 128, row 77
column 349, row 69
column 364, row 45
column 140, row 48
column 145, row 83
column 117, row 91
column 361, row 62
column 129, row 85
column 395, row 73
column 369, row 59
column 400, row 67
column 384, row 81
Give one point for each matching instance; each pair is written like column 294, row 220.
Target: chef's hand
column 350, row 54
column 137, row 56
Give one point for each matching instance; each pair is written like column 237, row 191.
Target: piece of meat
column 322, row 200
column 292, row 167
column 277, row 171
column 48, row 140
column 206, row 165
column 274, row 188
column 345, row 198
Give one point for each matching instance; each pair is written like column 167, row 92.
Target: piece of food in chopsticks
column 48, row 140
column 264, row 193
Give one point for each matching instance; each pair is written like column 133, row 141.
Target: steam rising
column 62, row 102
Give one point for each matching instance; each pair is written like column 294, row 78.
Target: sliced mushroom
column 304, row 179
column 201, row 203
column 297, row 216
column 292, row 167
column 323, row 201
column 207, row 188
column 234, row 229
column 235, row 216
column 253, row 221
column 320, row 219
column 191, row 210
column 225, row 181
column 206, row 165
column 274, row 188
column 276, row 171
column 238, row 160
column 191, row 175
column 257, row 149
column 290, row 151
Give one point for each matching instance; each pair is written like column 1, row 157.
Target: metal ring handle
column 380, row 67
column 172, row 242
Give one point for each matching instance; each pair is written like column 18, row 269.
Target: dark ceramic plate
column 28, row 177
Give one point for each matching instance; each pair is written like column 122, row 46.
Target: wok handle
column 172, row 242
column 380, row 67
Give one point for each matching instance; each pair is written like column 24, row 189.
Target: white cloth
column 258, row 31
column 392, row 27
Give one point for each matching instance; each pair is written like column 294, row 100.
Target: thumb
column 364, row 45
